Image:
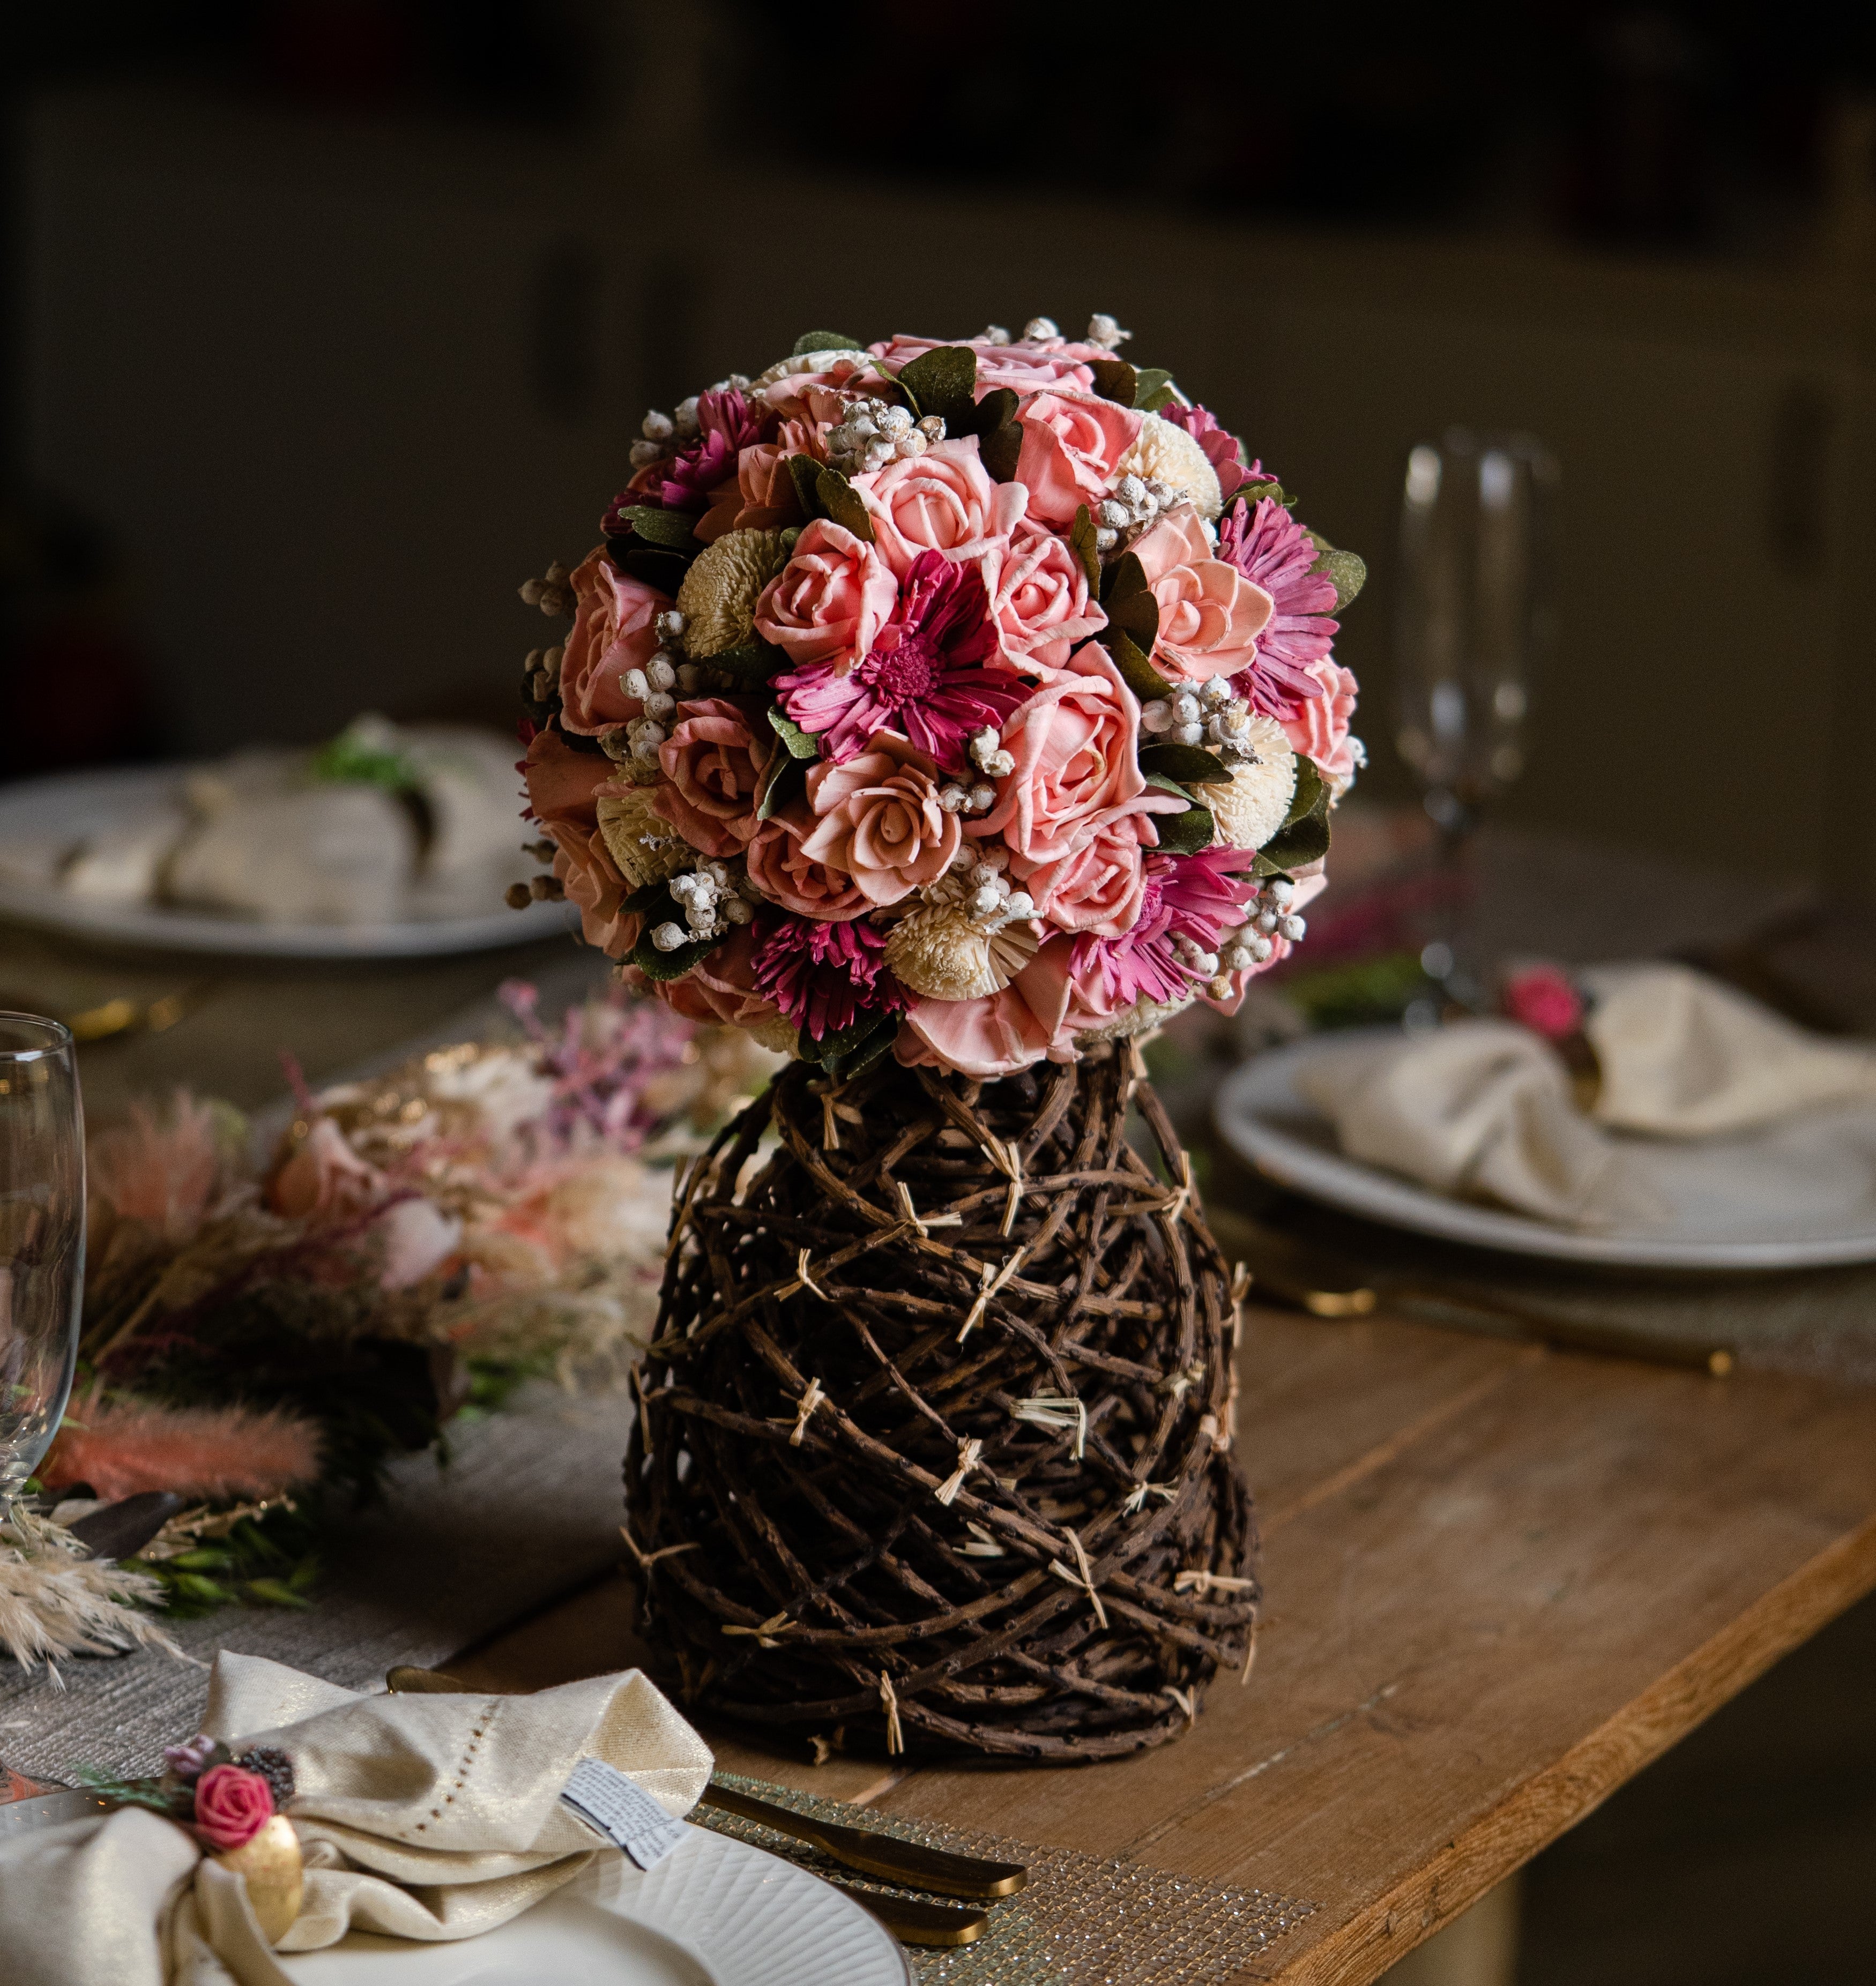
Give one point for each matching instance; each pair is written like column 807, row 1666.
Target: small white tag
column 621, row 1809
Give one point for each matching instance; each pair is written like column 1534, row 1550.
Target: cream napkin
column 424, row 1817
column 1486, row 1109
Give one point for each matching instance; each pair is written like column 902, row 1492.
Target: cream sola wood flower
column 1250, row 808
column 719, row 595
column 641, row 843
column 1164, row 453
column 943, row 952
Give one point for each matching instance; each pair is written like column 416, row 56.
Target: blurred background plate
column 49, row 814
column 1720, row 1218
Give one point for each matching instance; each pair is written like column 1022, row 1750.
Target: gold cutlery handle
column 912, row 1922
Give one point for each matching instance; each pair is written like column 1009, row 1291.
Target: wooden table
column 1500, row 1580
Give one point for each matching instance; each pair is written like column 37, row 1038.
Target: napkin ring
column 270, row 1863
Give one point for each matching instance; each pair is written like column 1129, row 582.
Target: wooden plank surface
column 1500, row 1581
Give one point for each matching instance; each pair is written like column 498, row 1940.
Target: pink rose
column 612, row 632
column 830, row 600
column 1099, row 888
column 1076, row 743
column 1542, row 999
column 323, row 1174
column 713, row 764
column 879, row 819
column 1029, row 367
column 1000, row 1033
column 232, row 1805
column 940, row 501
column 1320, row 729
column 1210, row 614
column 779, row 866
column 1038, row 596
column 562, row 782
column 595, row 888
column 818, row 396
column 721, row 987
column 763, row 497
column 1072, row 447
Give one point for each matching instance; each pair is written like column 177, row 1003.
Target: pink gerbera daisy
column 1220, row 446
column 1191, row 902
column 824, row 977
column 1272, row 550
column 924, row 676
column 726, row 424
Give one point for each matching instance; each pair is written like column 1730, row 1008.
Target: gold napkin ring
column 269, row 1862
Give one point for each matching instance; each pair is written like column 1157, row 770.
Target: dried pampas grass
column 55, row 1601
column 122, row 1447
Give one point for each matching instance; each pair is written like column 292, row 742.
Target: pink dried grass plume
column 123, row 1447
column 168, row 1171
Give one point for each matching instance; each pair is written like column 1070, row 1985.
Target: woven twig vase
column 935, row 1439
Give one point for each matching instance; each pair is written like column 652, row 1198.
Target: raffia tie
column 1137, row 1501
column 764, row 1634
column 993, row 1281
column 804, row 1408
column 1055, row 1410
column 1084, row 1577
column 1203, row 1583
column 889, row 1703
column 925, row 1223
column 646, row 1559
column 969, row 1450
column 803, row 1281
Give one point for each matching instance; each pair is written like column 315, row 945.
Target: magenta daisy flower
column 726, row 424
column 824, row 977
column 1191, row 901
column 1272, row 550
column 925, row 675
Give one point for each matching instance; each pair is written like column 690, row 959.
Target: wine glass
column 41, row 1238
column 1475, row 620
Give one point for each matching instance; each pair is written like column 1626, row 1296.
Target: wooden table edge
column 1553, row 1800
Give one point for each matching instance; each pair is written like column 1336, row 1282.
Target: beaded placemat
column 1080, row 1921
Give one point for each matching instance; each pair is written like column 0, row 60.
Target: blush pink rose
column 779, row 867
column 763, row 497
column 1038, row 596
column 1099, row 888
column 1072, row 447
column 720, row 988
column 879, row 821
column 941, row 501
column 830, row 600
column 612, row 632
column 562, row 783
column 1000, row 1033
column 712, row 766
column 232, row 1805
column 1029, row 366
column 1076, row 743
column 1210, row 614
column 818, row 396
column 595, row 888
column 1320, row 729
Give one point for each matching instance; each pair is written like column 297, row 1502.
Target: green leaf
column 1163, row 782
column 802, row 744
column 1311, row 794
column 943, row 381
column 1000, row 450
column 1115, row 379
column 806, row 472
column 656, row 964
column 840, row 501
column 856, row 1061
column 1347, row 570
column 839, row 1052
column 1081, row 537
column 1136, row 672
column 1185, row 834
column 783, row 778
column 996, row 409
column 1129, row 602
column 791, row 536
column 671, row 528
column 751, row 664
column 1152, row 388
column 651, row 567
column 1304, row 837
column 824, row 341
column 276, row 1593
column 1190, row 762
column 1259, row 492
column 642, row 900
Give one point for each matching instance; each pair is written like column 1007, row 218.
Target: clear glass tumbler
column 41, row 1238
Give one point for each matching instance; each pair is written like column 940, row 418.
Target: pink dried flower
column 823, row 977
column 122, row 1448
column 925, row 675
column 1542, row 999
column 185, row 1761
column 1196, row 898
column 167, row 1172
column 1270, row 548
column 1223, row 449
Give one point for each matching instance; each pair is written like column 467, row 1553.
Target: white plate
column 58, row 810
column 1798, row 1194
column 715, row 1912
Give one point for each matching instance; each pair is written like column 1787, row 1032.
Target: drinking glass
column 41, row 1238
column 1476, row 619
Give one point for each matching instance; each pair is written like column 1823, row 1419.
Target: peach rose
column 721, row 987
column 1002, row 1032
column 879, row 821
column 1076, row 743
column 1210, row 614
column 562, row 783
column 595, row 888
column 712, row 765
column 830, row 600
column 1072, row 447
column 1038, row 596
column 940, row 501
column 763, row 497
column 612, row 632
column 780, row 868
column 1320, row 729
column 1099, row 888
column 1031, row 366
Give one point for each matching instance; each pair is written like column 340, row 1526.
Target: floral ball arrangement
column 972, row 703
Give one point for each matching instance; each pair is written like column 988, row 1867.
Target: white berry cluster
column 956, row 798
column 988, row 756
column 659, row 433
column 552, row 594
column 872, row 433
column 1135, row 502
column 710, row 897
column 1038, row 329
column 658, row 686
column 1105, row 331
column 1254, row 941
column 1209, row 715
column 976, row 880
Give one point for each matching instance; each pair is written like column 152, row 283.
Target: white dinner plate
column 715, row 1912
column 56, row 811
column 1797, row 1194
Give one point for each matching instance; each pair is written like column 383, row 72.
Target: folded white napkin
column 1486, row 1109
column 425, row 1817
